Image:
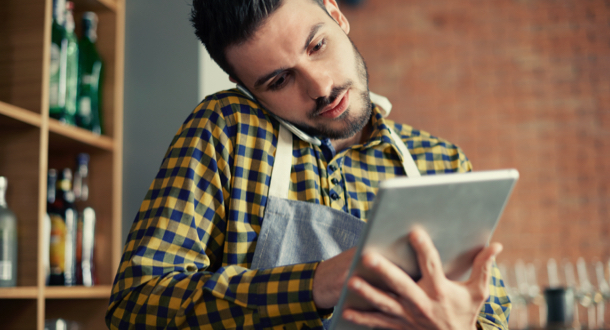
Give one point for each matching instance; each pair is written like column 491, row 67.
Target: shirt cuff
column 284, row 296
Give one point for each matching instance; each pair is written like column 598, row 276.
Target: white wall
column 211, row 76
column 161, row 89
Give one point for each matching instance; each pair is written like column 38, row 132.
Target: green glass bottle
column 91, row 75
column 8, row 241
column 57, row 67
column 71, row 66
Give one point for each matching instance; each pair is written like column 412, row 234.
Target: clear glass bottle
column 8, row 240
column 85, row 237
column 57, row 67
column 91, row 74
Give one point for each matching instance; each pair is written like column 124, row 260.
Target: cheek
column 287, row 104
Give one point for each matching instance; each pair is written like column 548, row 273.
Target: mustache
column 322, row 102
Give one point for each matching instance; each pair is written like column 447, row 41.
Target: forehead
column 279, row 40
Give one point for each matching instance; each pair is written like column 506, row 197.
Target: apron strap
column 280, row 175
column 407, row 160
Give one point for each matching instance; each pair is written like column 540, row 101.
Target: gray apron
column 296, row 232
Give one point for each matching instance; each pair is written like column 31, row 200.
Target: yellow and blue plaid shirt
column 187, row 257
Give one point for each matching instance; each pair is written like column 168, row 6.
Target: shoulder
column 230, row 106
column 227, row 110
column 440, row 155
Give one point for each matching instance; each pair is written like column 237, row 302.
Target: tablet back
column 458, row 211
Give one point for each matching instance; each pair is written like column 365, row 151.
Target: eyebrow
column 312, row 33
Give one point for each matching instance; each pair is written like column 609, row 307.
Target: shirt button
column 335, row 181
column 334, row 196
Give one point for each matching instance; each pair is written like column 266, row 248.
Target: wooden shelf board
column 80, row 135
column 78, row 292
column 110, row 4
column 20, row 114
column 96, row 5
column 20, row 292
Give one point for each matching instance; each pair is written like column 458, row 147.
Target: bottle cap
column 82, row 159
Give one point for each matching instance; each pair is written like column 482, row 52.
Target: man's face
column 302, row 67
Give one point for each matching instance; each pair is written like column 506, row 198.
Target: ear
column 333, row 10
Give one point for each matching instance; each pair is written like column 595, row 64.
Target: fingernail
column 373, row 261
column 417, row 237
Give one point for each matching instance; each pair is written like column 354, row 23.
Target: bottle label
column 58, row 244
column 85, row 107
column 6, row 270
column 6, row 266
column 55, row 59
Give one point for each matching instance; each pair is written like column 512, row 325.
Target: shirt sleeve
column 496, row 310
column 172, row 273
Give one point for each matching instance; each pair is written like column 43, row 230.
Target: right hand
column 329, row 278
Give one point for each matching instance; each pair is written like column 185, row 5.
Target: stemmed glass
column 588, row 290
column 523, row 293
column 579, row 295
column 603, row 289
column 535, row 295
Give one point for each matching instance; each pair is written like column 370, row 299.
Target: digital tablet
column 458, row 211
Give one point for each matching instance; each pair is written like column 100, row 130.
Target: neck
column 359, row 138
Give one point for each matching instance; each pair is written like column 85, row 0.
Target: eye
column 279, row 82
column 319, row 46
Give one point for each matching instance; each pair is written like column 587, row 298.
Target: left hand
column 434, row 302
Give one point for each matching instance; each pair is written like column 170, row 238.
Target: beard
column 352, row 120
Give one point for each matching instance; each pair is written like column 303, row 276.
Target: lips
column 336, row 108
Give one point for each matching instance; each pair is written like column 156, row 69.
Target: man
column 256, row 190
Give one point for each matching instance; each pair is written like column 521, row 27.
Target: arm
column 174, row 272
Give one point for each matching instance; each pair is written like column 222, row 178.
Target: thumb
column 481, row 270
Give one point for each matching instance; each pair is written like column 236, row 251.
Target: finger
column 481, row 270
column 372, row 319
column 428, row 258
column 394, row 279
column 380, row 300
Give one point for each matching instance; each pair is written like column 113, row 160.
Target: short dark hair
column 223, row 23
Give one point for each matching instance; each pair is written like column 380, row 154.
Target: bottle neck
column 59, row 10
column 91, row 35
column 3, row 194
column 51, row 186
column 90, row 28
column 81, row 183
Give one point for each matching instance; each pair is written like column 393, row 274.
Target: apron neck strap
column 407, row 160
column 280, row 175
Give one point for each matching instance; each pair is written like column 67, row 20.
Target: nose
column 318, row 82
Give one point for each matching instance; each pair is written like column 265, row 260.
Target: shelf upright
column 31, row 143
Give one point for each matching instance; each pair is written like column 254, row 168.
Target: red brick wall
column 515, row 83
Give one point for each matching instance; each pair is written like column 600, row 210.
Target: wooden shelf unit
column 31, row 143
